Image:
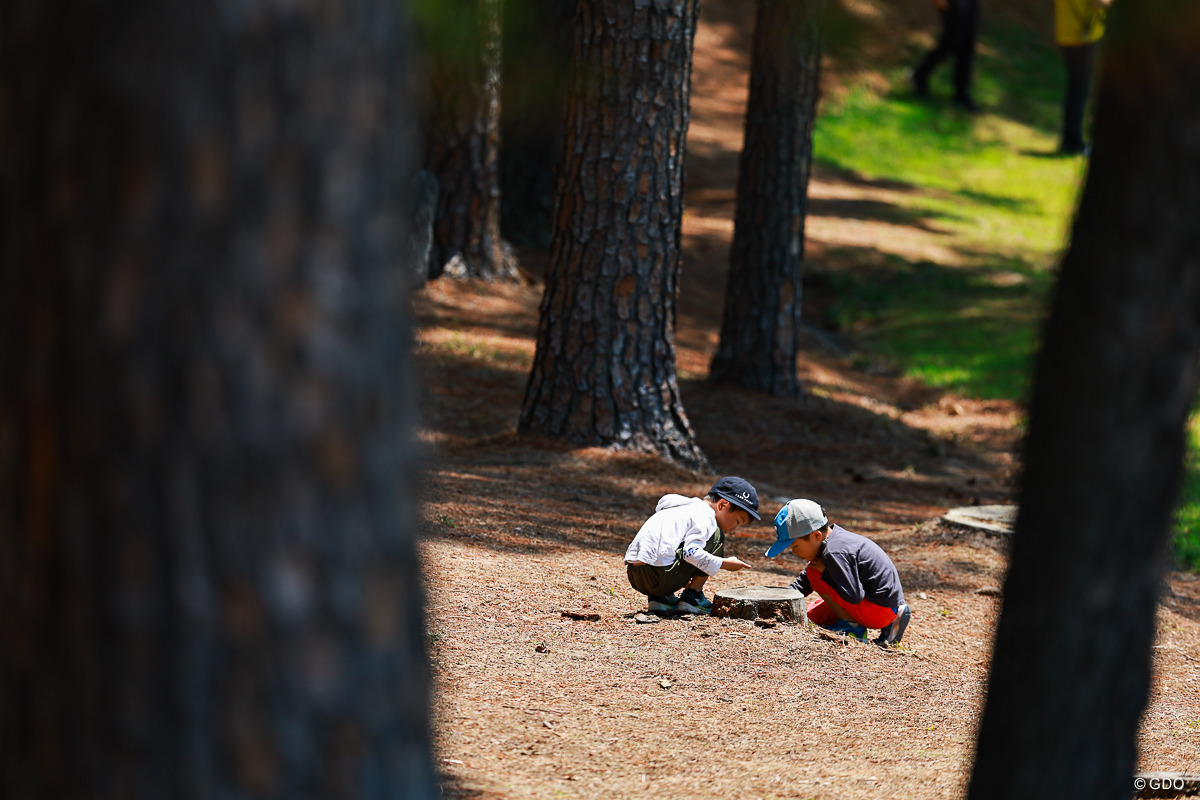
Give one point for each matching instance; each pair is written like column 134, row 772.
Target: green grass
column 970, row 330
column 986, row 189
column 1186, row 544
column 988, row 181
column 991, row 192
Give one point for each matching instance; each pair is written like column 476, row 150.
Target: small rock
column 765, row 623
column 989, row 591
column 687, row 616
column 645, row 618
column 664, row 683
column 541, row 648
column 922, row 595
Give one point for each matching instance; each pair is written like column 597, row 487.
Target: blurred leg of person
column 960, row 25
column 966, row 31
column 943, row 48
column 1081, row 64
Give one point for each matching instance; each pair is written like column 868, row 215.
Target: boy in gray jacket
column 857, row 583
column 684, row 543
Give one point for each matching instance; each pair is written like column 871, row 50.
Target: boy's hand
column 733, row 564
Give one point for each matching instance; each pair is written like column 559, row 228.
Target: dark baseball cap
column 739, row 492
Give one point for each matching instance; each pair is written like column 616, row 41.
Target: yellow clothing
column 1078, row 22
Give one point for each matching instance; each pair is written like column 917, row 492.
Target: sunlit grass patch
column 996, row 203
column 1186, row 543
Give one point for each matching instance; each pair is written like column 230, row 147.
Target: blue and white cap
column 739, row 492
column 797, row 518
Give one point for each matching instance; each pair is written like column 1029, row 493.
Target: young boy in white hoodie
column 684, row 543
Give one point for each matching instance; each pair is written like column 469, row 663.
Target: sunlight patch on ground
column 904, row 241
column 497, row 350
column 696, row 223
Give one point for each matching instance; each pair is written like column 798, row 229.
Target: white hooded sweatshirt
column 677, row 520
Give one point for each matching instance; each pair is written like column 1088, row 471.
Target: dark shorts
column 662, row 581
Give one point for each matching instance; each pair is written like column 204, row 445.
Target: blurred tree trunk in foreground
column 207, row 561
column 462, row 140
column 1115, row 381
column 604, row 371
column 537, row 57
column 760, row 329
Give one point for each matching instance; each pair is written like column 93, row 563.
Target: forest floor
column 529, row 703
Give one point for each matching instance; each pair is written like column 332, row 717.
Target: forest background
column 931, row 244
column 932, row 235
column 210, row 495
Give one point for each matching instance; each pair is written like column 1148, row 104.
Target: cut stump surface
column 760, row 602
column 994, row 519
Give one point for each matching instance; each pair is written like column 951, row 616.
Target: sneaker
column 892, row 633
column 662, row 605
column 693, row 602
column 848, row 628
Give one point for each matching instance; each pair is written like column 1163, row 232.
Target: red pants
column 864, row 612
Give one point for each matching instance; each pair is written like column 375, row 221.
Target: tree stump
column 993, row 519
column 760, row 602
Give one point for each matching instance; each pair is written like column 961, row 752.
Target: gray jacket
column 857, row 569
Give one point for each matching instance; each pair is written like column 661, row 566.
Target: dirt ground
column 530, row 703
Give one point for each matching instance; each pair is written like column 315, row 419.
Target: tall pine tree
column 207, row 555
column 604, row 370
column 760, row 329
column 1114, row 383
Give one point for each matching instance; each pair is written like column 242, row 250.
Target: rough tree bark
column 1114, row 382
column 604, row 371
column 463, row 139
column 760, row 328
column 206, row 522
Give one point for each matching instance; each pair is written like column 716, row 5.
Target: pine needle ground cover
column 532, row 703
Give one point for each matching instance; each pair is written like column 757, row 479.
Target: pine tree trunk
column 463, row 147
column 604, row 371
column 207, row 574
column 1114, row 383
column 761, row 324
